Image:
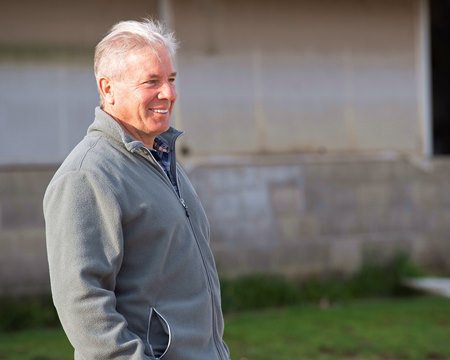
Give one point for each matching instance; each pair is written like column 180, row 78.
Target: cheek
column 174, row 92
column 174, row 97
column 148, row 96
column 123, row 100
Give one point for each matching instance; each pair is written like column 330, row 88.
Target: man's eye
column 172, row 80
column 152, row 82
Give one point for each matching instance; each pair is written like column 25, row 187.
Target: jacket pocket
column 158, row 334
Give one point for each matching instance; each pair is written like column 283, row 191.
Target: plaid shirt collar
column 161, row 153
column 160, row 146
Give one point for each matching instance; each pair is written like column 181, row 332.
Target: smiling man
column 132, row 273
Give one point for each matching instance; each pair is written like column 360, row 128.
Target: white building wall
column 255, row 76
column 299, row 76
column 45, row 110
column 47, row 86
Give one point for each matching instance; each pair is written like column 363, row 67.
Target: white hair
column 125, row 37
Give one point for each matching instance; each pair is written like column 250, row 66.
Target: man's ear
column 105, row 87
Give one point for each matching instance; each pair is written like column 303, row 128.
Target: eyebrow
column 157, row 75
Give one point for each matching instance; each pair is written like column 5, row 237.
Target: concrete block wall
column 316, row 215
column 23, row 261
column 298, row 215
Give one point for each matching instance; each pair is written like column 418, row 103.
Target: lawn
column 413, row 328
column 417, row 328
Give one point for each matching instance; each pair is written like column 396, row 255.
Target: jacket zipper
column 208, row 275
column 166, row 179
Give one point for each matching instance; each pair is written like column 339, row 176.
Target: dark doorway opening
column 440, row 74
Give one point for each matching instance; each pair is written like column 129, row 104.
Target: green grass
column 373, row 280
column 36, row 344
column 415, row 328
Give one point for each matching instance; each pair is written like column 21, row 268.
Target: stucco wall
column 299, row 76
column 65, row 23
column 254, row 77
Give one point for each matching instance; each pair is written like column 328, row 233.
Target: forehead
column 149, row 60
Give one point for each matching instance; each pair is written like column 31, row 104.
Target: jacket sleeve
column 85, row 248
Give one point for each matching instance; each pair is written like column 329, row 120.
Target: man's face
column 144, row 96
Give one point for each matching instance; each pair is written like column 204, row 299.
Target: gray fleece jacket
column 131, row 269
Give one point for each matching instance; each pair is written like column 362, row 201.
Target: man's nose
column 167, row 91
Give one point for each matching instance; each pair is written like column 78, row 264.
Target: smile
column 160, row 111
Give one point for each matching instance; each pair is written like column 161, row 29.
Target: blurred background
column 316, row 131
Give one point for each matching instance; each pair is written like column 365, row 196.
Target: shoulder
column 93, row 154
column 87, row 164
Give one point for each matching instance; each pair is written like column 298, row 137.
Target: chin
column 166, row 126
column 159, row 126
column 162, row 129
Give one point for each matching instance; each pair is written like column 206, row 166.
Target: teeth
column 160, row 111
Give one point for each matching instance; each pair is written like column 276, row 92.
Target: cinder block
column 19, row 212
column 288, row 228
column 23, row 266
column 286, row 199
column 345, row 255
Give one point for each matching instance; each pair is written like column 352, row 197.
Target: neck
column 146, row 139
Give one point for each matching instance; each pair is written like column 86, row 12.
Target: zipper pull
column 185, row 206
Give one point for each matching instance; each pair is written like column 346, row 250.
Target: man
column 131, row 270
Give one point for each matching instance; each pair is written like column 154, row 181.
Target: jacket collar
column 105, row 124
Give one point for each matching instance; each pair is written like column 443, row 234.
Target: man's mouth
column 160, row 111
